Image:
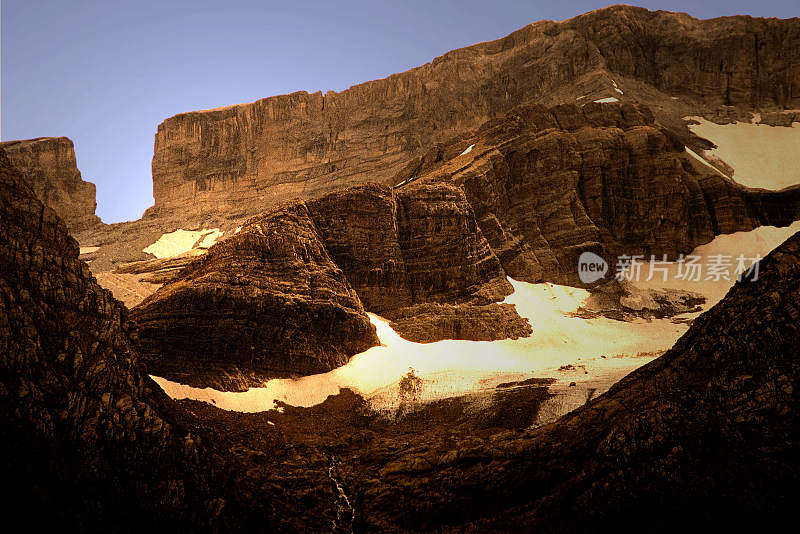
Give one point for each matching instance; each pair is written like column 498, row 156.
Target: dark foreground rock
column 87, row 442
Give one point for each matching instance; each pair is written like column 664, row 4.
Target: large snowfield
column 762, row 156
column 564, row 347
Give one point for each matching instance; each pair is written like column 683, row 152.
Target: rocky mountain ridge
column 547, row 184
column 309, row 144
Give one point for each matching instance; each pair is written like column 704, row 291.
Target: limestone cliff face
column 418, row 257
column 549, row 184
column 48, row 165
column 417, row 246
column 234, row 158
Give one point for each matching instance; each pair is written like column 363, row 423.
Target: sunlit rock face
column 86, row 439
column 269, row 300
column 48, row 165
column 549, row 184
column 301, row 144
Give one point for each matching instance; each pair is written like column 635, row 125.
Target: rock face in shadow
column 360, row 231
column 547, row 184
column 309, row 144
column 704, row 435
column 86, row 439
column 48, row 165
column 266, row 302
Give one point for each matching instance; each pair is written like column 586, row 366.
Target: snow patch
column 755, row 243
column 607, row 100
column 180, row 241
column 210, row 238
column 569, row 348
column 468, row 150
column 761, row 156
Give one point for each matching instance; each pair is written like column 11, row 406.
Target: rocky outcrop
column 287, row 294
column 360, row 231
column 418, row 258
column 236, row 158
column 704, row 435
column 86, row 440
column 547, row 184
column 266, row 302
column 48, row 165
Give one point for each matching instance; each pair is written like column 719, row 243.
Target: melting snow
column 210, row 238
column 607, row 100
column 180, row 241
column 468, row 150
column 605, row 348
column 761, row 156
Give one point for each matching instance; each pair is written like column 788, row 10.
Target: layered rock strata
column 48, row 165
column 268, row 301
column 309, row 144
column 549, row 184
column 418, row 258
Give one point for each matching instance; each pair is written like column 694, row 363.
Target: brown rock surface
column 282, row 296
column 704, row 435
column 86, row 440
column 548, row 184
column 231, row 159
column 266, row 302
column 48, row 165
column 418, row 258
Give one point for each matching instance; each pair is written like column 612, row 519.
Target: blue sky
column 106, row 73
